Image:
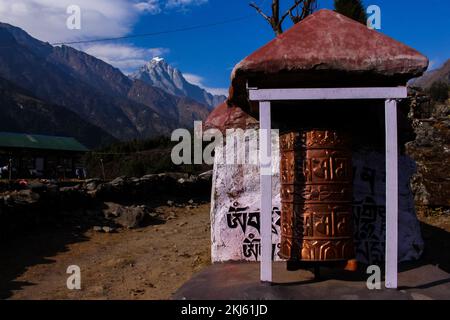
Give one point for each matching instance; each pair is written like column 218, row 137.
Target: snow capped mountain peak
column 157, row 59
column 158, row 73
column 155, row 62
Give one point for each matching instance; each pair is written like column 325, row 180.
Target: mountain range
column 159, row 74
column 20, row 111
column 441, row 74
column 103, row 104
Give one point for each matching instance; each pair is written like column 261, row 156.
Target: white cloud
column 157, row 6
column 431, row 65
column 183, row 4
column 149, row 6
column 46, row 19
column 19, row 9
column 194, row 79
column 218, row 91
column 435, row 63
column 125, row 57
column 198, row 81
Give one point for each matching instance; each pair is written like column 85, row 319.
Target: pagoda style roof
column 327, row 49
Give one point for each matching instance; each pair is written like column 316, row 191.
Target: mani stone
column 235, row 210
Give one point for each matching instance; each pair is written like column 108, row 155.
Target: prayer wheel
column 316, row 196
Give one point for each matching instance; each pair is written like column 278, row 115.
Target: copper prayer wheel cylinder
column 316, row 196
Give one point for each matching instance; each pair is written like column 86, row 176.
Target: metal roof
column 35, row 141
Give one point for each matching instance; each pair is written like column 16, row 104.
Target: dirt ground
column 147, row 263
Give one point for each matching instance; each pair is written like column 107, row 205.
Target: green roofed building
column 32, row 155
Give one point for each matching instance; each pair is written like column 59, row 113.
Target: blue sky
column 207, row 55
column 212, row 52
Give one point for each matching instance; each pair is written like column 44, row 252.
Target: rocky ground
column 133, row 238
column 150, row 262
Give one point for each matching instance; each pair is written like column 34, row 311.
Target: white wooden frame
column 389, row 94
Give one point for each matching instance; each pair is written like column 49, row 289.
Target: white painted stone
column 237, row 186
column 369, row 208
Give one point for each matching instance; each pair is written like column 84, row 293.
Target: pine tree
column 353, row 9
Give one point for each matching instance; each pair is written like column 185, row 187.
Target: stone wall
column 110, row 203
column 431, row 150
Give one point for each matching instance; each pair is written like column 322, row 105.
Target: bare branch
column 308, row 7
column 289, row 12
column 253, row 5
column 277, row 23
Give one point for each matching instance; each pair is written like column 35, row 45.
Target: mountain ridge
column 91, row 88
column 158, row 73
column 21, row 112
column 441, row 74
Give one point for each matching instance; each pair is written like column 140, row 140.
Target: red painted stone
column 329, row 49
column 227, row 117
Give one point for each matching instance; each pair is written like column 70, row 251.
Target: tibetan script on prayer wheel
column 316, row 196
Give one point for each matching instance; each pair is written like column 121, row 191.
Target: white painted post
column 391, row 195
column 265, row 166
column 327, row 94
column 267, row 95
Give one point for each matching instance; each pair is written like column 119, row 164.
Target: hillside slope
column 21, row 112
column 91, row 88
column 438, row 75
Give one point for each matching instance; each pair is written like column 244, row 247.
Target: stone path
column 240, row 281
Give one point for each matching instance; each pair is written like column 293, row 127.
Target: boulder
column 112, row 210
column 22, row 198
column 150, row 177
column 108, row 229
column 128, row 217
column 118, row 181
column 92, row 184
column 131, row 217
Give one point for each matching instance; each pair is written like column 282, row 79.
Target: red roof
column 327, row 49
column 226, row 117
